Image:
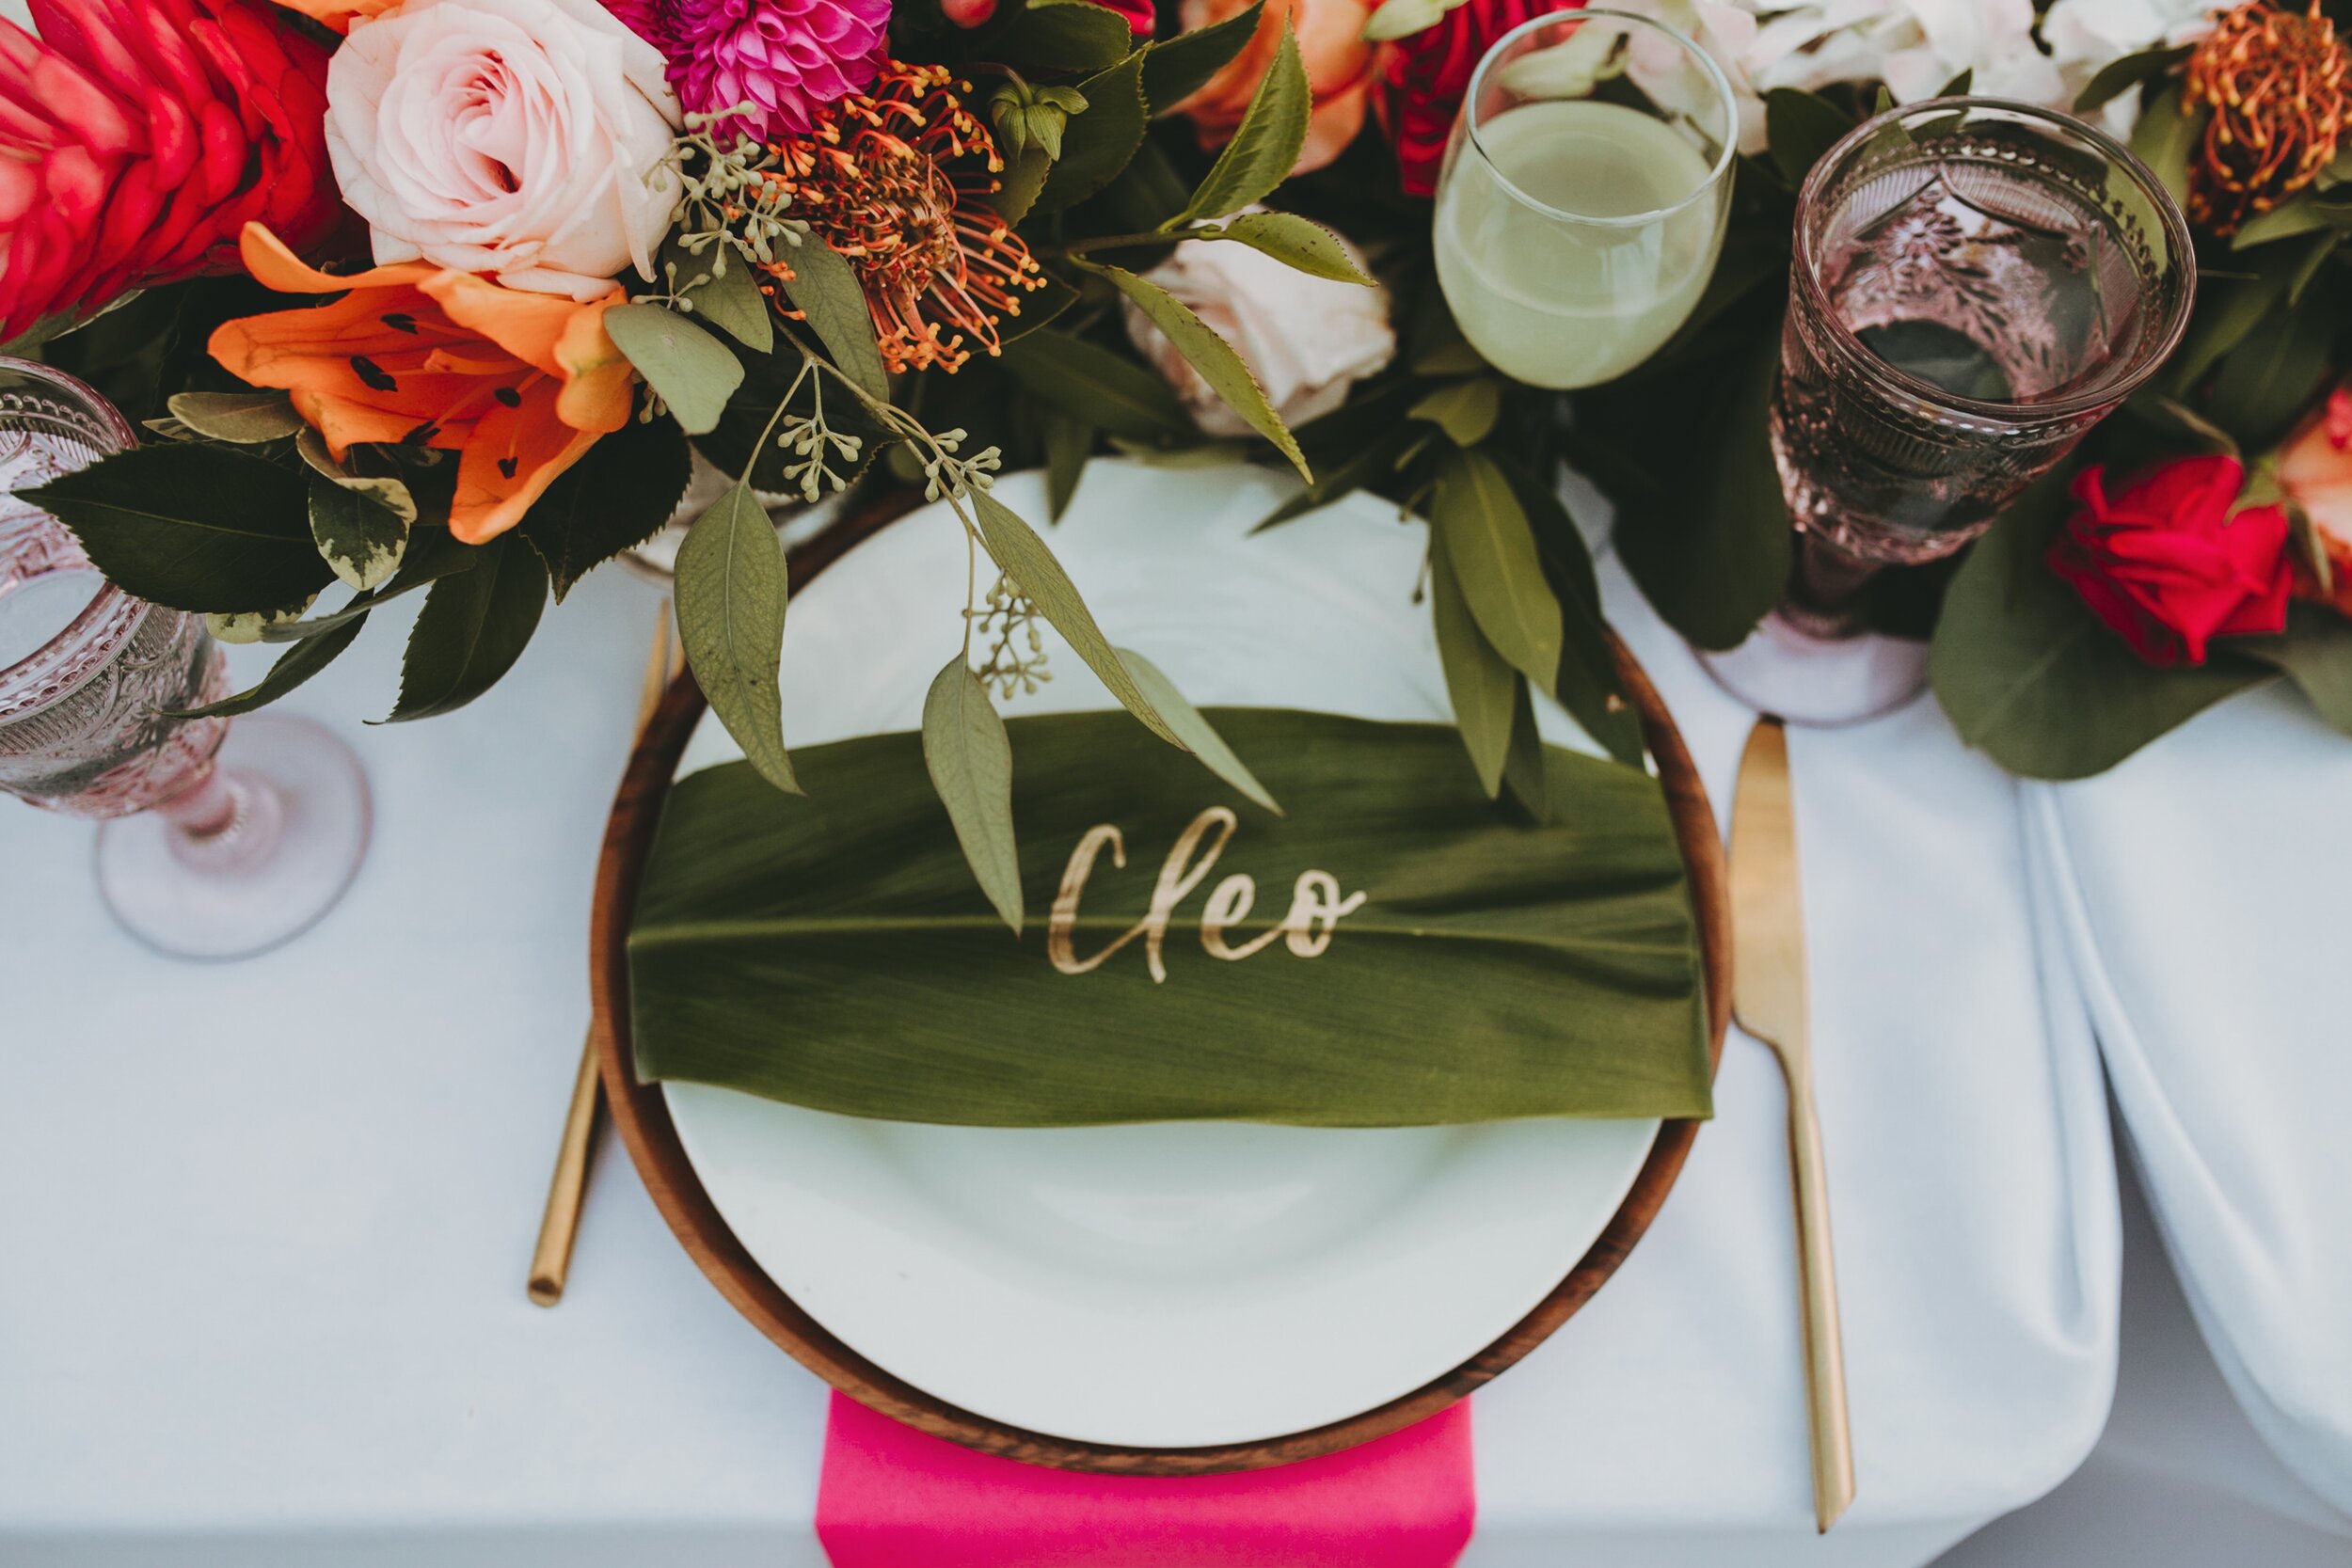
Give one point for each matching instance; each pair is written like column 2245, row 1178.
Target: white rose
column 2085, row 34
column 1306, row 339
column 528, row 139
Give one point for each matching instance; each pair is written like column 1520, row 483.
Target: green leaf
column 1024, row 177
column 970, row 760
column 1800, row 127
column 1466, row 411
column 1588, row 686
column 473, row 627
column 1264, row 146
column 2175, row 418
column 1070, row 34
column 295, row 666
column 2305, row 215
column 1492, row 970
column 2280, row 368
column 1099, row 141
column 731, row 586
column 1197, row 733
column 826, row 291
column 247, row 419
column 1297, row 242
column 1482, row 685
column 2027, row 675
column 2118, row 77
column 360, row 537
column 719, row 286
column 2315, row 652
column 2224, row 316
column 617, row 497
column 1069, row 441
column 2166, row 138
column 1492, row 551
column 693, row 371
column 1225, row 371
column 430, row 556
column 1088, row 381
column 1523, row 765
column 1175, row 69
column 198, row 528
column 1708, row 539
column 1021, row 556
column 1357, row 471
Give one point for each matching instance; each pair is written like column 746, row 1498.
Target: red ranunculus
column 2167, row 563
column 1424, row 76
column 137, row 139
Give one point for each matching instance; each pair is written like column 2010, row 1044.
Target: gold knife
column 1769, row 999
column 551, row 1260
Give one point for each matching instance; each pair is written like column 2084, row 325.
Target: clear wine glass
column 1582, row 202
column 1976, row 283
column 214, row 842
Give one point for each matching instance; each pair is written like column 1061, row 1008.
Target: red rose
column 1425, row 73
column 2168, row 566
column 137, row 139
column 1143, row 15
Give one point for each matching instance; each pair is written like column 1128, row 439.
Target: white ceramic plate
column 1177, row 1285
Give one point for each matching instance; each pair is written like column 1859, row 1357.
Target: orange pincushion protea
column 2274, row 81
column 896, row 179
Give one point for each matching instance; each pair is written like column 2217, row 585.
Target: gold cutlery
column 552, row 1261
column 1769, row 999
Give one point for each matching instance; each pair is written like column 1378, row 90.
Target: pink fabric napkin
column 891, row 1497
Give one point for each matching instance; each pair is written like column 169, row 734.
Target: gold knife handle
column 551, row 1261
column 1824, row 1346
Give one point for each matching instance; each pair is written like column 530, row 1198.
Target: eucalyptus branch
column 1132, row 242
column 948, row 475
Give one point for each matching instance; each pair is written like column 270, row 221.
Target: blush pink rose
column 529, row 139
column 1307, row 339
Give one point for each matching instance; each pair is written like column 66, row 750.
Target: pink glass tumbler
column 214, row 842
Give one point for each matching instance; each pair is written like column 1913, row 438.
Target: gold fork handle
column 551, row 1261
column 1824, row 1346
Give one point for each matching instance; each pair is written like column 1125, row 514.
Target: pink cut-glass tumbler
column 214, row 842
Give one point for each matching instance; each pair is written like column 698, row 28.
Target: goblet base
column 280, row 862
column 1805, row 679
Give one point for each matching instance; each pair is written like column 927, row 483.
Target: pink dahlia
column 785, row 59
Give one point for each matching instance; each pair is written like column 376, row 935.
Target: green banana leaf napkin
column 1396, row 950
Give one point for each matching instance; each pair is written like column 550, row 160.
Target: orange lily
column 520, row 385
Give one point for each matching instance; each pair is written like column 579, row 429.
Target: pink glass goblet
column 214, row 842
column 1976, row 284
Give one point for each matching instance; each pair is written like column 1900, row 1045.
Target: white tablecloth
column 263, row 1228
column 2203, row 885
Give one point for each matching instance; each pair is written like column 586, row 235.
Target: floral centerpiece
column 449, row 295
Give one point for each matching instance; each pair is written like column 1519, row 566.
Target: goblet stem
column 226, row 823
column 206, row 808
column 1825, row 585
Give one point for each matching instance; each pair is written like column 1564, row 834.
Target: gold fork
column 552, row 1261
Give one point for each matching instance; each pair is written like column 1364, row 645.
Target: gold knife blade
column 1768, row 992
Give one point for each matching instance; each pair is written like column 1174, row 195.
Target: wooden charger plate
column 643, row 1114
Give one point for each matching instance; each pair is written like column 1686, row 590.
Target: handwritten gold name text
column 1315, row 913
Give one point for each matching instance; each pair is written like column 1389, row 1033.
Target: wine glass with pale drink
column 1582, row 202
